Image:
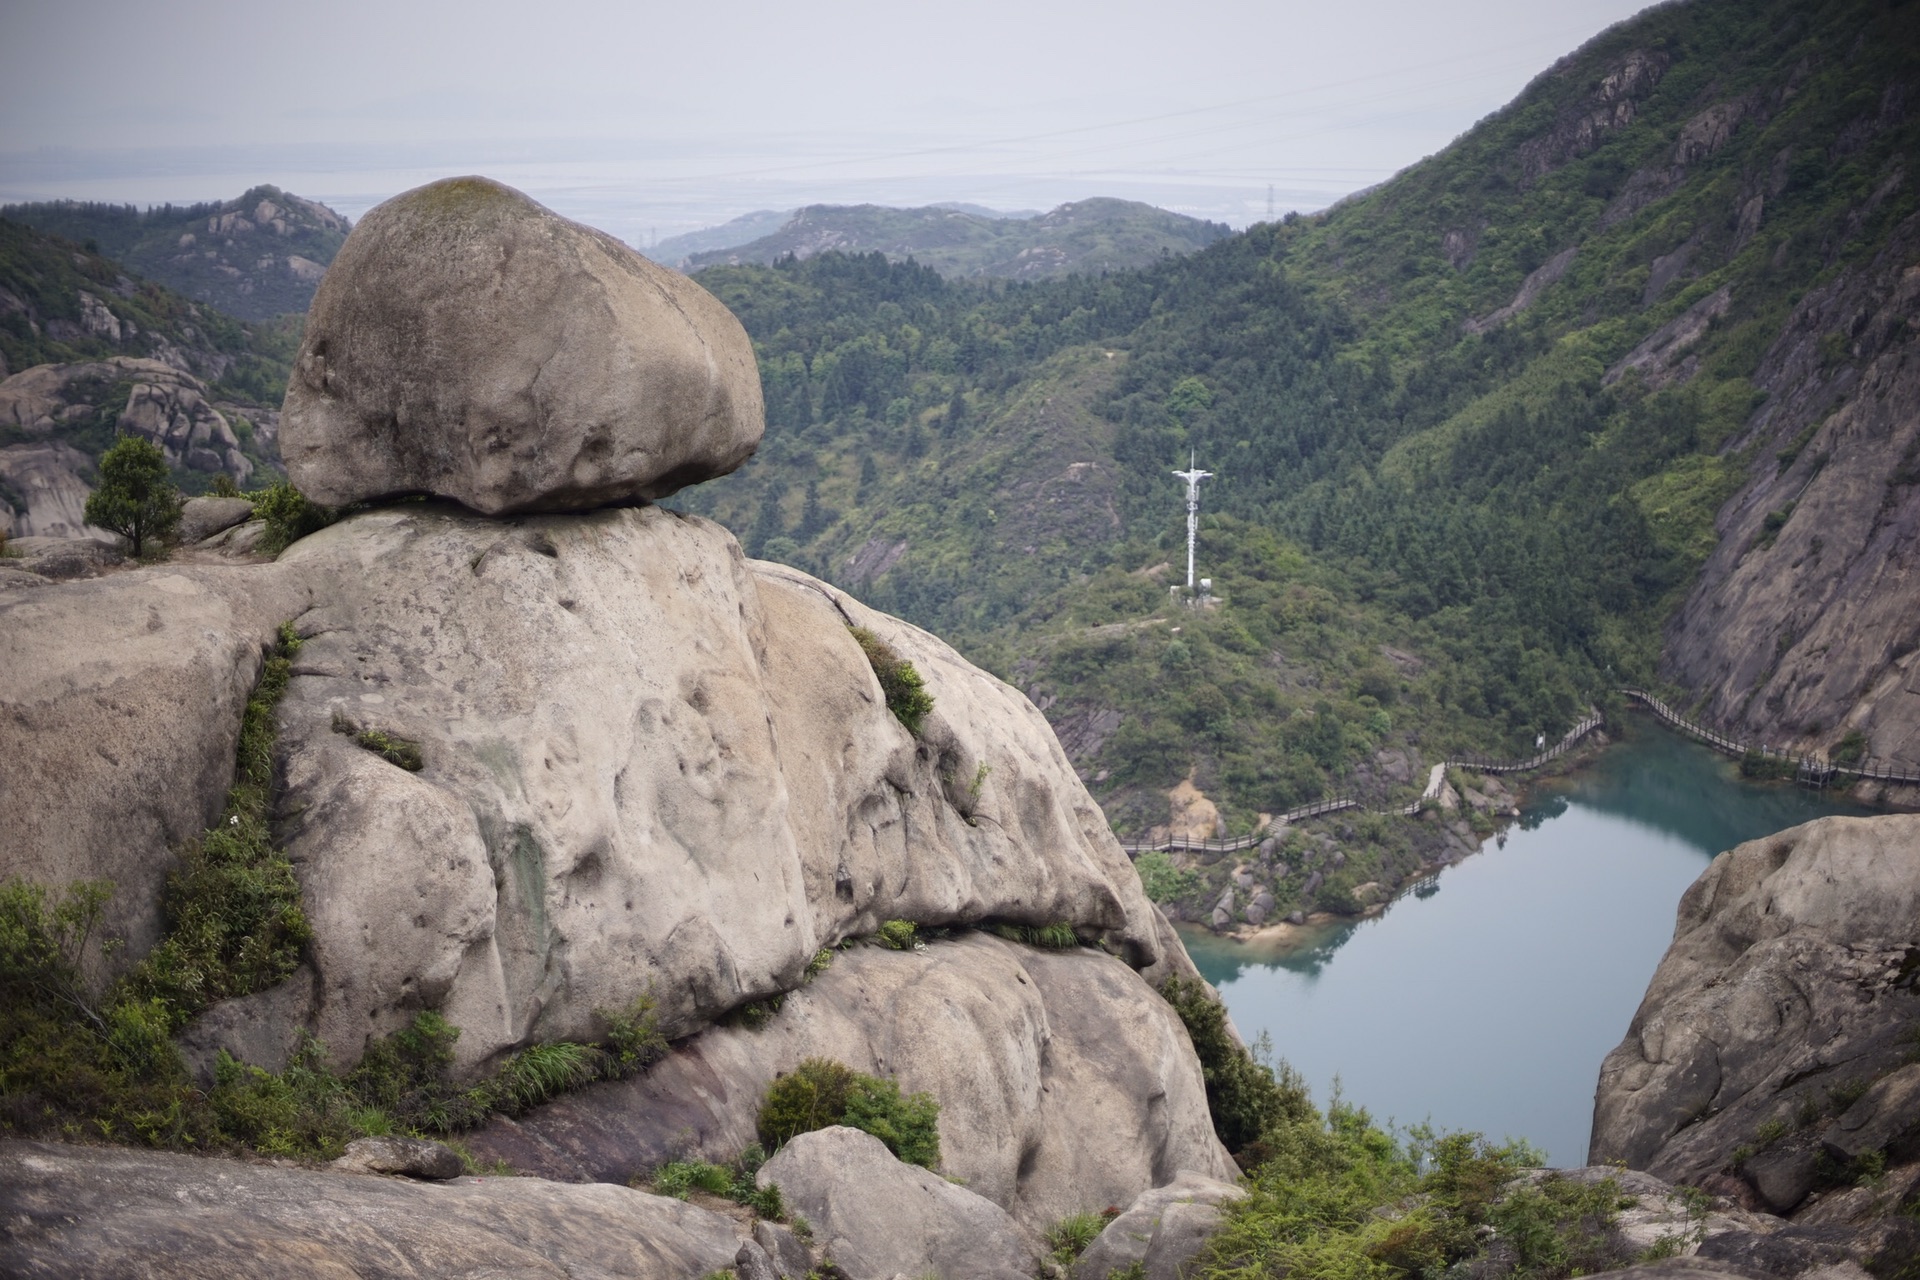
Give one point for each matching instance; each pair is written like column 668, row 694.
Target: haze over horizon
column 651, row 120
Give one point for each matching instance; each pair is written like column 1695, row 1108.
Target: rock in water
column 469, row 343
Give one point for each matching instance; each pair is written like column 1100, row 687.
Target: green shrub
column 905, row 692
column 821, row 1092
column 634, row 1039
column 811, row 1096
column 1849, row 750
column 1162, row 879
column 909, row 1125
column 290, row 515
column 135, row 498
column 1246, row 1096
column 232, row 907
column 896, row 935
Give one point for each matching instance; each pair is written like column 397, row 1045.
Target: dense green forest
column 1467, row 429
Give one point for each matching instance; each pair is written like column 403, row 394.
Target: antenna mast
column 1193, row 475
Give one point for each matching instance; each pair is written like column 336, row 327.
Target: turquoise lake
column 1486, row 998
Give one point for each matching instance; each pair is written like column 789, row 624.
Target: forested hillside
column 255, row 257
column 1084, row 236
column 1471, row 431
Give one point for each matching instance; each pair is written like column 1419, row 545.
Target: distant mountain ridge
column 254, row 257
column 1099, row 234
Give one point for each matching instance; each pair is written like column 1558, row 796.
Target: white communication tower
column 1193, row 475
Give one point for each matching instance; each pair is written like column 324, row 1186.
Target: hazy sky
column 649, row 117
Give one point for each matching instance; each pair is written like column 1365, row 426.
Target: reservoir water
column 1486, row 999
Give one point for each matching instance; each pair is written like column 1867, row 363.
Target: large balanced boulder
column 117, row 1214
column 1766, row 1056
column 1066, row 1084
column 471, row 344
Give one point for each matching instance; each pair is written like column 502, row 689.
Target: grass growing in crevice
column 1058, row 936
column 391, row 747
column 734, row 1181
column 83, row 1060
column 1068, row 1238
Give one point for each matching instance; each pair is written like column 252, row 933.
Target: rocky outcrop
column 1804, row 624
column 1769, row 1056
column 114, row 1213
column 877, row 1218
column 43, row 493
column 201, row 518
column 470, row 344
column 1066, row 1084
column 1163, row 1230
column 118, row 715
column 45, row 481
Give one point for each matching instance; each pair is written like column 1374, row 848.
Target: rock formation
column 1803, row 625
column 470, row 344
column 1770, row 1058
column 646, row 766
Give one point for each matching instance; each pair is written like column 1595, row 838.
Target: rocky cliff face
column 1803, row 625
column 1772, row 1058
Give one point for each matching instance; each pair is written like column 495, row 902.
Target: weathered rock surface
column 107, row 1213
column 1163, row 1230
column 1790, row 982
column 1065, row 1084
column 616, row 714
column 201, row 518
column 48, row 497
column 1809, row 632
column 118, row 719
column 878, row 1218
column 404, row 1157
column 470, row 344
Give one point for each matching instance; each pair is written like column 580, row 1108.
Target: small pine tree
column 136, row 499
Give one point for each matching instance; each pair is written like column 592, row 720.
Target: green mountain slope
column 94, row 351
column 1085, row 236
column 255, row 257
column 1471, row 431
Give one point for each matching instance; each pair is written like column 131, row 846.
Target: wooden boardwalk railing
column 1436, row 778
column 1810, row 769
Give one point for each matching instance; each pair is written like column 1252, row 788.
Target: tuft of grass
column 905, row 691
column 1068, row 1238
column 678, row 1178
column 1058, row 936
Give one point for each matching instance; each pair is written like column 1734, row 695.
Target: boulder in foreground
column 472, row 344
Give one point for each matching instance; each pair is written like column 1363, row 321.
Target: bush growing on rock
column 906, row 693
column 1247, row 1098
column 821, row 1092
column 290, row 515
